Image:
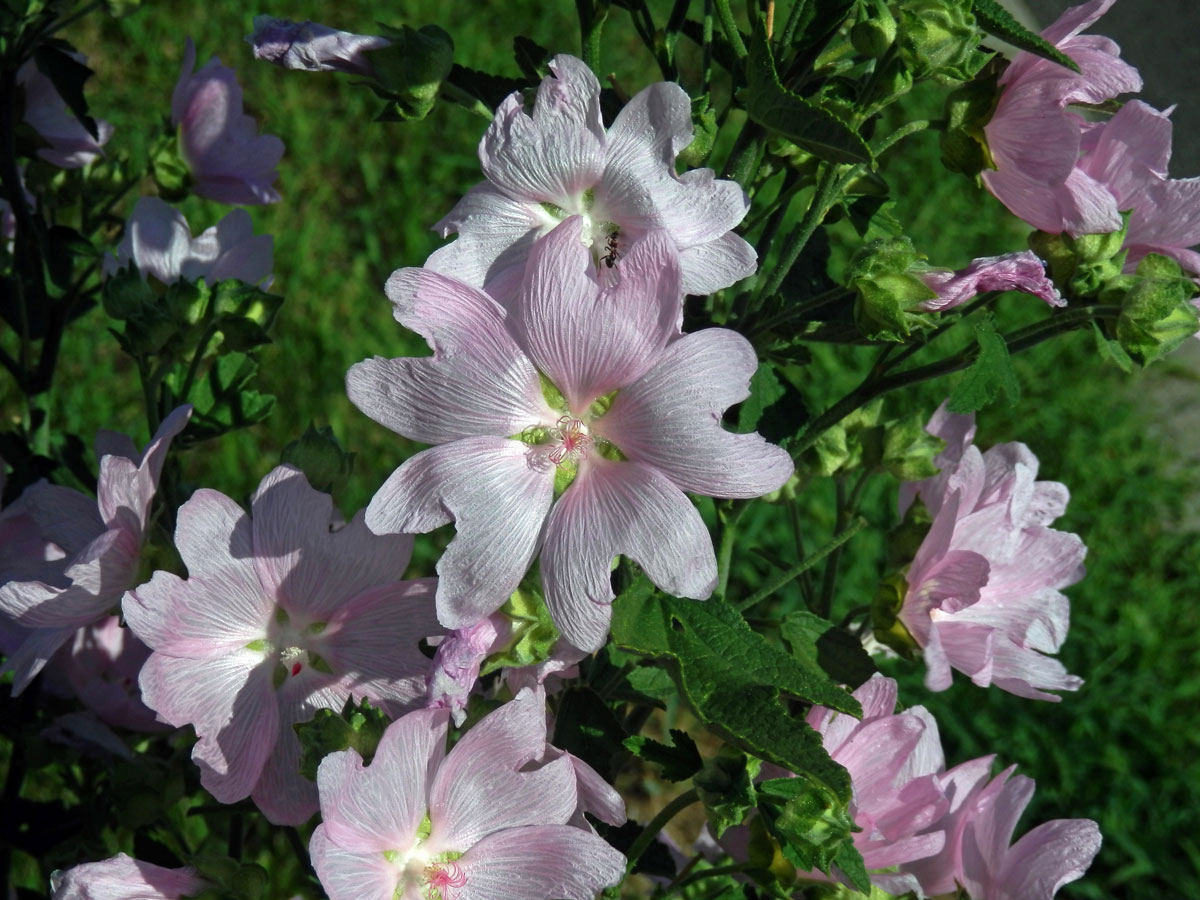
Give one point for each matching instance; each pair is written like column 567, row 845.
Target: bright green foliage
column 940, row 39
column 726, row 788
column 791, row 116
column 819, row 645
column 704, row 133
column 533, row 632
column 990, row 374
column 995, row 19
column 319, row 455
column 359, row 726
column 813, row 827
column 733, row 678
column 908, row 449
column 882, row 273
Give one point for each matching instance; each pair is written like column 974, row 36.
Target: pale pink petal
column 615, row 508
column 378, row 807
column 1011, row 272
column 1079, row 205
column 587, row 340
column 372, row 642
column 495, row 233
column 671, row 419
column 1133, row 145
column 157, row 239
column 1075, row 19
column 312, row 47
column 477, row 382
column 125, row 878
column 716, row 264
column 38, row 646
column 350, row 874
column 540, row 862
column 1048, row 857
column 62, row 516
column 130, row 484
column 496, row 492
column 230, row 701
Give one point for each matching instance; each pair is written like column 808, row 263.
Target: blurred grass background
column 359, row 199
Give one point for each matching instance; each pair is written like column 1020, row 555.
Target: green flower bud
column 411, row 70
column 170, row 169
column 889, row 292
column 704, row 133
column 765, row 855
column 908, row 449
column 885, row 611
column 533, row 633
column 1156, row 316
column 875, row 31
column 813, row 823
column 1083, row 267
column 939, row 38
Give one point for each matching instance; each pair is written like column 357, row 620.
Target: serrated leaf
column 765, row 389
column 223, row 400
column 802, row 122
column 726, row 788
column 489, row 89
column 991, row 373
column 818, row 20
column 241, row 334
column 821, row 646
column 678, row 760
column 585, row 726
column 68, row 75
column 1112, row 351
column 998, row 21
column 733, row 678
column 358, row 726
column 531, row 57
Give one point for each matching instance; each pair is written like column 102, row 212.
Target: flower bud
column 411, row 70
column 889, row 292
column 885, row 613
column 939, row 38
column 1081, row 267
column 908, row 449
column 874, row 33
column 320, row 457
column 704, row 133
column 1156, row 316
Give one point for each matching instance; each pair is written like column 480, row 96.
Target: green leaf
column 802, row 122
column 319, row 455
column 67, row 74
column 998, row 21
column 678, row 760
column 991, row 373
column 585, row 726
column 726, row 788
column 532, row 58
column 821, row 646
column 818, row 19
column 241, row 334
column 814, row 828
column 734, row 678
column 1112, row 350
column 223, row 399
column 359, row 726
column 765, row 389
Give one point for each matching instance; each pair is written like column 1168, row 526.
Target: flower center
column 569, row 440
column 444, row 880
column 294, row 659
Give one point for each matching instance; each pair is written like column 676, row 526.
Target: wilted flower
column 1011, row 272
column 490, row 820
column 125, row 878
column 560, row 162
column 582, row 390
column 82, row 553
column 457, row 660
column 159, row 242
column 1035, row 141
column 279, row 617
column 229, row 160
column 983, row 590
column 71, row 145
column 312, row 46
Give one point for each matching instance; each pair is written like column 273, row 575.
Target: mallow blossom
column 984, row 589
column 1010, row 272
column 560, row 162
column 457, row 661
column 80, row 554
column 312, row 47
column 978, row 853
column 581, row 392
column 281, row 615
column 71, row 145
column 490, row 820
column 124, row 878
column 1129, row 155
column 229, row 160
column 159, row 243
column 1035, row 141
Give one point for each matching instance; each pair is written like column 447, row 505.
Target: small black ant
column 612, row 255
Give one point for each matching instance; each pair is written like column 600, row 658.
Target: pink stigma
column 445, row 877
column 572, row 440
column 296, row 667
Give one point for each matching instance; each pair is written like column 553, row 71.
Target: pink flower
column 560, row 162
column 893, row 760
column 983, row 590
column 1035, row 141
column 1129, row 155
column 125, row 878
column 487, row 821
column 71, row 145
column 312, row 47
column 581, row 390
column 280, row 616
column 979, row 827
column 1011, row 272
column 81, row 554
column 230, row 161
column 101, row 665
column 159, row 242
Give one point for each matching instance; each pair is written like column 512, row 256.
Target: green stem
column 706, row 48
column 675, row 22
column 729, row 522
column 650, row 832
column 592, row 15
column 785, row 578
column 806, row 586
column 1018, row 341
column 715, row 872
column 789, row 31
column 729, row 26
column 979, row 302
column 463, row 97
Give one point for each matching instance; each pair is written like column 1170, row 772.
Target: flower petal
column 348, row 874
column 540, row 862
